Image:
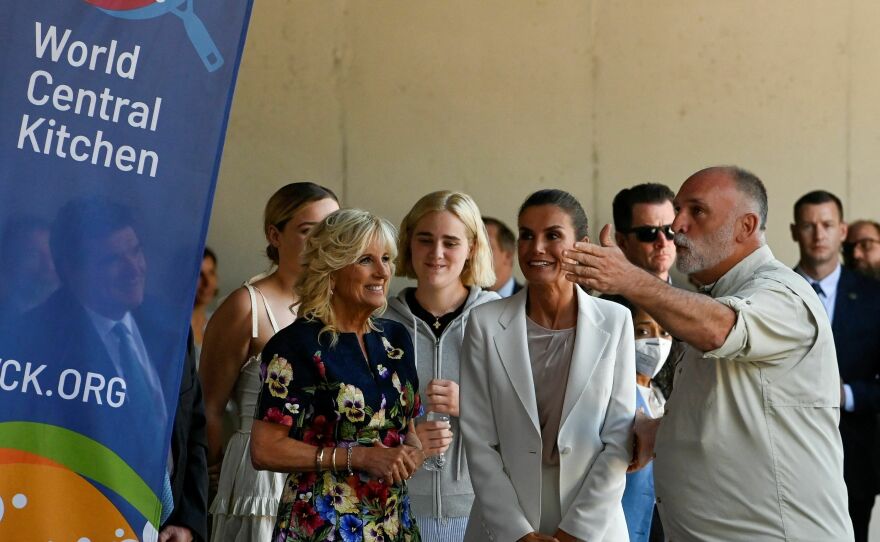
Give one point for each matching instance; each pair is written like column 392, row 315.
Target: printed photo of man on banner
column 111, row 129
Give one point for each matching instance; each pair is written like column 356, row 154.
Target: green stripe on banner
column 86, row 457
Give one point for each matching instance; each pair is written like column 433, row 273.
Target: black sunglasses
column 648, row 234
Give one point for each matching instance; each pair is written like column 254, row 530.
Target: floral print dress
column 331, row 396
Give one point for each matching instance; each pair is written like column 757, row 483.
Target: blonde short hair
column 478, row 269
column 334, row 243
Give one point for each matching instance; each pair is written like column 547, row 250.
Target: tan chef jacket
column 749, row 448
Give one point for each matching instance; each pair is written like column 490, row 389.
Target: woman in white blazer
column 547, row 396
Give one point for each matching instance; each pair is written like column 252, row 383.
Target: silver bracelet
column 319, row 459
column 348, row 461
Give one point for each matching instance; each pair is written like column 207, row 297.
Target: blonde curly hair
column 334, row 243
column 478, row 268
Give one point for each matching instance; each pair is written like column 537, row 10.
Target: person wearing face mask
column 653, row 344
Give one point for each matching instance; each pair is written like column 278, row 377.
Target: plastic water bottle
column 436, row 462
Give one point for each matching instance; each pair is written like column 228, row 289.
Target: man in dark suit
column 643, row 216
column 503, row 244
column 189, row 481
column 97, row 330
column 98, row 319
column 851, row 301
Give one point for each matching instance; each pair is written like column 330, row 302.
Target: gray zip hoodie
column 448, row 492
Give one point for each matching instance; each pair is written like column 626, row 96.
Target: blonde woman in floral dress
column 339, row 394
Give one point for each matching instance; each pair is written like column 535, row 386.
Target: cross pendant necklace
column 436, row 323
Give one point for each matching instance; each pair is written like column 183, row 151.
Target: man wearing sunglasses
column 643, row 218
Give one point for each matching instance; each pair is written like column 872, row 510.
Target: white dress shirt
column 104, row 327
column 507, row 289
column 829, row 289
column 828, row 297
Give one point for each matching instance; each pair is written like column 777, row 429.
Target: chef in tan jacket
column 749, row 447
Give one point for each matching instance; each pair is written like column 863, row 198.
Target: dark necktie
column 137, row 384
column 818, row 289
column 128, row 358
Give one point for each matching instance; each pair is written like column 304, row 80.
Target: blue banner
column 112, row 120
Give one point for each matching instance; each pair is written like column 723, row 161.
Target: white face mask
column 651, row 354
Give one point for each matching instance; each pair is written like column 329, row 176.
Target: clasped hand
column 396, row 464
column 435, row 437
column 644, row 436
column 443, row 396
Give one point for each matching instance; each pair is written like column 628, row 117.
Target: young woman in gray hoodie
column 444, row 246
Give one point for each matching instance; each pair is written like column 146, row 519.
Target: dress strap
column 268, row 311
column 255, row 320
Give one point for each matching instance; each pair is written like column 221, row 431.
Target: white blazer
column 499, row 422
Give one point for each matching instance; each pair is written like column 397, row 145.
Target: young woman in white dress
column 246, row 499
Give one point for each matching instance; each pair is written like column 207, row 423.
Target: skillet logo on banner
column 46, row 135
column 183, row 9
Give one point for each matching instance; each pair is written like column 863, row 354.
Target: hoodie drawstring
column 415, row 336
column 459, row 445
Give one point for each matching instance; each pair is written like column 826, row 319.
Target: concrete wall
column 386, row 100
